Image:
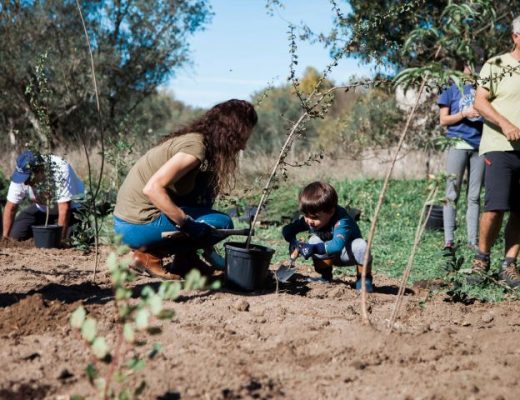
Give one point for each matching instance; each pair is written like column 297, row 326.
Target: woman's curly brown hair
column 226, row 128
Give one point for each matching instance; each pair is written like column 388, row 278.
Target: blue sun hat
column 25, row 165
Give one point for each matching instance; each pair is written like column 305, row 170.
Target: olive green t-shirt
column 132, row 204
column 501, row 76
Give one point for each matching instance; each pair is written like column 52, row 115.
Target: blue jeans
column 148, row 236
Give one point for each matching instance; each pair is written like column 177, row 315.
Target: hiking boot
column 150, row 264
column 369, row 284
column 185, row 262
column 510, row 274
column 479, row 270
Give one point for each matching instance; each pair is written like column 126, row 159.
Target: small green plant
column 491, row 289
column 83, row 231
column 119, row 154
column 49, row 174
column 4, row 186
column 114, row 367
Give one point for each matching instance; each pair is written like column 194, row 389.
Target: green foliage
column 453, row 36
column 47, row 175
column 155, row 116
column 136, row 52
column 113, row 371
column 490, row 289
column 438, row 76
column 84, row 231
column 119, row 155
column 311, row 78
column 276, row 113
column 4, row 187
column 372, row 123
column 278, row 109
column 474, row 30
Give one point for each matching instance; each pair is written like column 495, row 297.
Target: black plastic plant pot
column 47, row 237
column 246, row 268
column 435, row 220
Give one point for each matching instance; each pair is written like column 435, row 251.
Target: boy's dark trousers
column 29, row 216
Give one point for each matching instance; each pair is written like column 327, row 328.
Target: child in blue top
column 335, row 238
column 464, row 124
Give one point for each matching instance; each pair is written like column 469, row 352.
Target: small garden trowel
column 285, row 272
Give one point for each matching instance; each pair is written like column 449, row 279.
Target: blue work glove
column 308, row 250
column 195, row 230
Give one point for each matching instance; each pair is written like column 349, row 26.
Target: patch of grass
column 394, row 234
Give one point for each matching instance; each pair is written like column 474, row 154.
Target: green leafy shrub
column 113, row 371
column 4, row 187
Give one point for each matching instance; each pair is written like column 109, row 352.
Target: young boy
column 335, row 237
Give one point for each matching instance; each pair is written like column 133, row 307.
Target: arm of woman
column 155, row 189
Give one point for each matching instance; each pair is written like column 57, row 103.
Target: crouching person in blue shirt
column 335, row 238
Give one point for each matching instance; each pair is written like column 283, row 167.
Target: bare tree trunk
column 11, row 133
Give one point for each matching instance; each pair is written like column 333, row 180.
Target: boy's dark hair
column 316, row 197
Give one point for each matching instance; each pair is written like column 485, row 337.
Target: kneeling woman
column 173, row 186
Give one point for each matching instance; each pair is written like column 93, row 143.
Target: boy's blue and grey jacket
column 340, row 230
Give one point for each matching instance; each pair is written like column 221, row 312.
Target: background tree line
column 138, row 45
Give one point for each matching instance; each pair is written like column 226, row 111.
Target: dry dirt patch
column 305, row 342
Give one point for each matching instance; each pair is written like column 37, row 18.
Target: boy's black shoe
column 327, row 274
column 510, row 274
column 479, row 269
column 324, row 268
column 369, row 284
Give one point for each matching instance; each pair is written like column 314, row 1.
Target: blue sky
column 244, row 49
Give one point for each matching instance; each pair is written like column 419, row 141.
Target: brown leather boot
column 323, row 267
column 185, row 262
column 152, row 265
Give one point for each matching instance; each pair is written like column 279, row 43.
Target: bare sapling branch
column 423, row 219
column 283, row 154
column 102, row 142
column 364, row 312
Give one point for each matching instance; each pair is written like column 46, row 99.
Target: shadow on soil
column 392, row 290
column 88, row 293
column 169, row 396
column 25, row 391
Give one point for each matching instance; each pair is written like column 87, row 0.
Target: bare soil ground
column 305, row 342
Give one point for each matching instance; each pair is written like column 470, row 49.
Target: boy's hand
column 308, row 250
